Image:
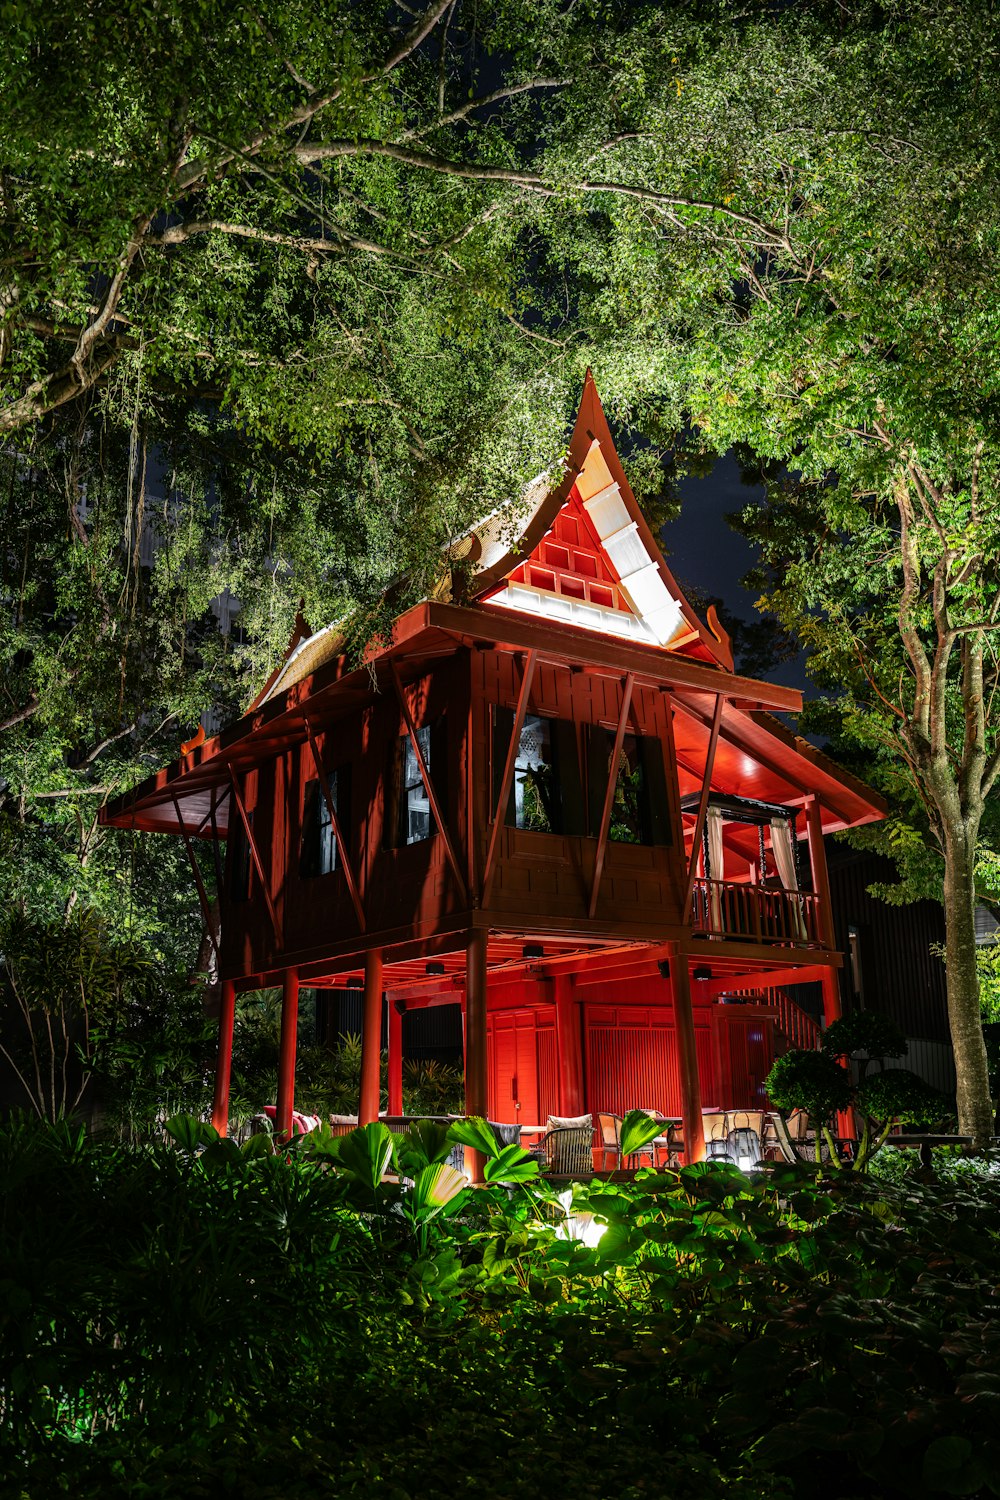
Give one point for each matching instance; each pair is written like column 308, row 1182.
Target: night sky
column 704, row 551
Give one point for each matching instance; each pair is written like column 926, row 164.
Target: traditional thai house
column 548, row 799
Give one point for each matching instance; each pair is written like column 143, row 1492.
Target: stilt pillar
column 687, row 1057
column 286, row 1053
column 820, row 873
column 476, row 1089
column 224, row 1057
column 371, row 1038
column 831, row 996
column 396, row 1057
column 569, row 1046
column 832, row 1012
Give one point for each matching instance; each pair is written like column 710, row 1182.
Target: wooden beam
column 432, row 796
column 507, row 780
column 342, row 850
column 258, row 862
column 609, row 795
column 699, row 827
column 206, row 908
column 765, row 979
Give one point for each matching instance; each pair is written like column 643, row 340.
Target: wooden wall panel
column 521, row 1066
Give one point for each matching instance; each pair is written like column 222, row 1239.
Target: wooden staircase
column 793, row 1025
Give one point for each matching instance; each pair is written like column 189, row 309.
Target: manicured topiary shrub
column 867, row 1032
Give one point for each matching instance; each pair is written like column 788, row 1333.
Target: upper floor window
column 640, row 811
column 318, row 854
column 409, row 818
column 546, row 793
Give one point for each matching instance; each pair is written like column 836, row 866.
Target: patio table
column 926, row 1143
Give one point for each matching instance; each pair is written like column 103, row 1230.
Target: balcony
column 756, row 913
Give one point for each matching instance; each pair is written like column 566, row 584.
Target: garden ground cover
column 233, row 1323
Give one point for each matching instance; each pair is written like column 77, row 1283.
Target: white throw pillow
column 570, row 1122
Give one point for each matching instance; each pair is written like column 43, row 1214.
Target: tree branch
column 532, row 182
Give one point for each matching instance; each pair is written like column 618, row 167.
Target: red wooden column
column 371, row 1038
column 820, row 874
column 224, row 1057
column 569, row 1046
column 476, row 1083
column 687, row 1056
column 396, row 1058
column 286, row 1052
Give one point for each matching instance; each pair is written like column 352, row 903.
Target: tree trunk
column 975, row 1110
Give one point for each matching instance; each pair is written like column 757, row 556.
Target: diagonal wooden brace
column 206, row 906
column 699, row 827
column 344, row 856
column 507, row 780
column 609, row 795
column 432, row 796
column 257, row 861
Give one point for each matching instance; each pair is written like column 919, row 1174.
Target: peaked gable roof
column 583, row 553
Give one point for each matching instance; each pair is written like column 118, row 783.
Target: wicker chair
column 611, row 1145
column 569, row 1151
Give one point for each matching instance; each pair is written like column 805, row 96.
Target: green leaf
column 474, row 1132
column 433, row 1189
column 512, row 1164
column 190, row 1133
column 366, row 1153
column 638, row 1129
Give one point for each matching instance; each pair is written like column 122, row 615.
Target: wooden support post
column 569, row 1045
column 699, row 826
column 286, row 1054
column 687, row 1057
column 371, row 1038
column 396, row 1008
column 609, row 795
column 224, row 1057
column 820, row 874
column 476, row 1087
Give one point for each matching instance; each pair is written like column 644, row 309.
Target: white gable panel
column 548, row 606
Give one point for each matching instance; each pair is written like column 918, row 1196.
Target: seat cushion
column 570, row 1122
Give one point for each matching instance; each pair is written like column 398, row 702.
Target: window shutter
column 599, row 744
column 393, row 807
column 309, row 849
column 438, row 767
column 503, row 728
column 342, row 802
column 656, row 801
column 571, row 818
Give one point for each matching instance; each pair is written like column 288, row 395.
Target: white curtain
column 716, row 862
column 784, row 854
column 784, row 858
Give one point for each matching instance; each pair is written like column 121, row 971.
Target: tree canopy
column 323, row 280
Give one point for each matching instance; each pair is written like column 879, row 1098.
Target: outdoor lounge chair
column 611, row 1145
column 568, row 1151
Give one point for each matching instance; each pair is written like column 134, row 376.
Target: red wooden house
column 550, row 800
